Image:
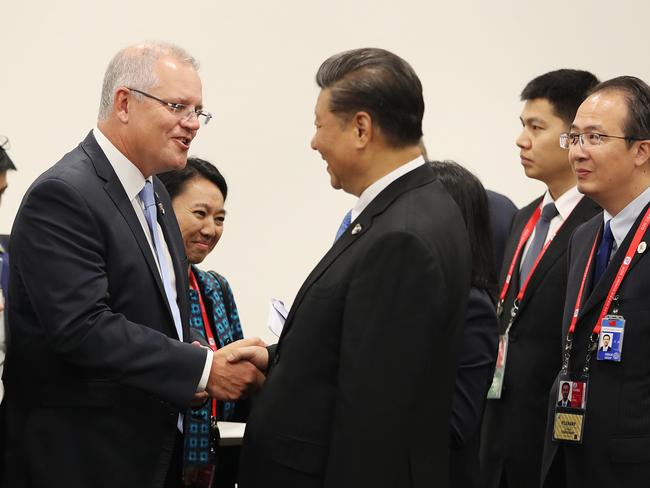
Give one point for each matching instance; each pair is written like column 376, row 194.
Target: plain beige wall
column 258, row 65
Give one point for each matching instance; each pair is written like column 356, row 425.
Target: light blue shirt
column 624, row 220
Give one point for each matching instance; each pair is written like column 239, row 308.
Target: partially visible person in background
column 198, row 194
column 478, row 349
column 501, row 212
column 6, row 164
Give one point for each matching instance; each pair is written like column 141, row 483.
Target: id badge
column 569, row 415
column 494, row 393
column 610, row 339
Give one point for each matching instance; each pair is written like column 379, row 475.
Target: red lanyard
column 206, row 327
column 622, row 271
column 525, row 235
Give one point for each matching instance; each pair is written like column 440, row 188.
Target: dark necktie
column 604, row 251
column 541, row 230
column 345, row 223
column 149, row 202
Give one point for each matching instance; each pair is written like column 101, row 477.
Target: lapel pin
column 357, row 228
column 161, row 208
column 642, row 247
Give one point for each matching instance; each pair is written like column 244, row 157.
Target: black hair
column 565, row 89
column 468, row 193
column 6, row 163
column 380, row 83
column 176, row 180
column 637, row 97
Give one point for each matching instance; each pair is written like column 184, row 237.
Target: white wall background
column 258, row 64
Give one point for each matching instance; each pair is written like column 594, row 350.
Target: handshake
column 237, row 369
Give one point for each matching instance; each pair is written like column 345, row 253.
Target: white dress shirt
column 376, row 188
column 565, row 205
column 132, row 181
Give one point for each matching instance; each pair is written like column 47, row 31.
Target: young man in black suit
column 99, row 366
column 532, row 284
column 359, row 387
column 608, row 285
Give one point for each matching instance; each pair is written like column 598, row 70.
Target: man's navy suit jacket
column 616, row 440
column 95, row 375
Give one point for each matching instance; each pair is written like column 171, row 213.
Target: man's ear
column 363, row 127
column 121, row 104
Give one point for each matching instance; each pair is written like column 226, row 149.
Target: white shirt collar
column 565, row 202
column 624, row 220
column 378, row 186
column 129, row 175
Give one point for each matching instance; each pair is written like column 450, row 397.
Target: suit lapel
column 418, row 177
column 167, row 220
column 600, row 289
column 582, row 212
column 116, row 192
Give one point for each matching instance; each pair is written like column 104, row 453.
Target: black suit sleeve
column 63, row 247
column 478, row 353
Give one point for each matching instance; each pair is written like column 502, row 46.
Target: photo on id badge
column 610, row 339
column 571, row 394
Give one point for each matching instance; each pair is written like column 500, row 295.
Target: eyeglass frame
column 568, row 136
column 177, row 107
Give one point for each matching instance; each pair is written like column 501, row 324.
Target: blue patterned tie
column 149, row 202
column 604, row 250
column 541, row 230
column 345, row 223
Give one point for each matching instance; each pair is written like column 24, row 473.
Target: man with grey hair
column 359, row 386
column 99, row 366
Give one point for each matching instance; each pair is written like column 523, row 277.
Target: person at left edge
column 6, row 164
column 359, row 386
column 97, row 372
column 198, row 193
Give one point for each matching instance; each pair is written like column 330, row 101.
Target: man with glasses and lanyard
column 532, row 285
column 605, row 439
column 100, row 364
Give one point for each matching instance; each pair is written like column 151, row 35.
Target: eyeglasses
column 588, row 139
column 4, row 143
column 185, row 112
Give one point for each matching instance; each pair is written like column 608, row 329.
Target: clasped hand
column 237, row 369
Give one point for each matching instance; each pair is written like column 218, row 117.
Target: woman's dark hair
column 469, row 194
column 175, row 180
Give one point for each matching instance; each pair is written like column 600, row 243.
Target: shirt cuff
column 203, row 382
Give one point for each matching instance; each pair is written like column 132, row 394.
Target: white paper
column 277, row 316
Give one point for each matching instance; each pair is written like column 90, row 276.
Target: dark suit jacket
column 616, row 442
column 478, row 353
column 4, row 276
column 95, row 375
column 502, row 213
column 514, row 426
column 360, row 384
